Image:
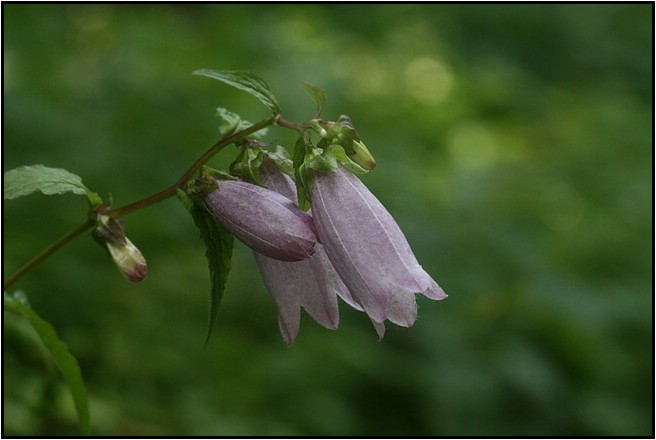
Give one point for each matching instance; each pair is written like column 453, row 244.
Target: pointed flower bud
column 362, row 156
column 343, row 134
column 368, row 249
column 263, row 220
column 127, row 258
column 312, row 284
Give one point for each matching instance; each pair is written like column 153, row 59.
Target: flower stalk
column 54, row 247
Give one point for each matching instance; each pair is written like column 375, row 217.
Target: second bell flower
column 368, row 249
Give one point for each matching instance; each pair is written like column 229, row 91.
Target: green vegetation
column 514, row 148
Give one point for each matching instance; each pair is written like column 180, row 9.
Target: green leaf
column 246, row 81
column 341, row 157
column 280, row 156
column 66, row 363
column 317, row 94
column 322, row 160
column 302, row 178
column 231, row 122
column 25, row 180
column 247, row 165
column 228, row 121
column 218, row 251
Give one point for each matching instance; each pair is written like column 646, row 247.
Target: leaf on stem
column 25, row 180
column 246, row 81
column 67, row 364
column 230, row 122
column 218, row 251
column 317, row 94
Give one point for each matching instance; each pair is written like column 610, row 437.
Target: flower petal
column 367, row 247
column 282, row 283
column 277, row 181
column 263, row 220
column 404, row 309
column 380, row 329
column 435, row 292
column 311, row 283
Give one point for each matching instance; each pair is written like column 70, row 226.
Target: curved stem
column 293, row 125
column 170, row 191
column 140, row 204
column 84, row 227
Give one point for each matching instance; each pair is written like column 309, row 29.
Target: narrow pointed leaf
column 303, row 179
column 66, row 363
column 218, row 251
column 246, row 81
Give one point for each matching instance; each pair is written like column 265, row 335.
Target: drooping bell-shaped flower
column 312, row 284
column 368, row 249
column 264, row 220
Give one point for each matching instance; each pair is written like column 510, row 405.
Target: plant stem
column 140, row 204
column 170, row 191
column 84, row 227
column 293, row 125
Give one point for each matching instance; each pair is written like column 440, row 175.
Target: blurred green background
column 514, row 148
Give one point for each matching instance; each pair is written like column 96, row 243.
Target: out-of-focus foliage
column 514, row 147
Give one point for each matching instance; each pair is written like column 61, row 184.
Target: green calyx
column 342, row 133
column 325, row 157
column 251, row 156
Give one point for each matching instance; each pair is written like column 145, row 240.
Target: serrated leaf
column 25, row 180
column 246, row 81
column 317, row 94
column 218, row 251
column 66, row 363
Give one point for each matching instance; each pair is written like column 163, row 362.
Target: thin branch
column 170, row 191
column 38, row 258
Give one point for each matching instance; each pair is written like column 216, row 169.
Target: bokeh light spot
column 428, row 80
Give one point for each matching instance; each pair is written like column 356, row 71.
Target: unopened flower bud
column 362, row 156
column 129, row 260
column 264, row 220
column 126, row 256
column 343, row 134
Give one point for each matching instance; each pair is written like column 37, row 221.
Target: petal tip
column 435, row 292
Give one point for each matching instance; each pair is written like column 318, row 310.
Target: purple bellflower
column 368, row 250
column 264, row 220
column 312, row 283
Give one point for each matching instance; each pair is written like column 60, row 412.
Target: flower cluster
column 347, row 246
